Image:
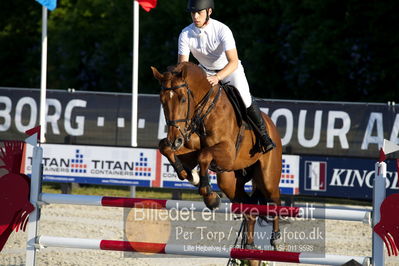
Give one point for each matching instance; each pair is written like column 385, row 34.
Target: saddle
column 238, row 104
column 240, row 111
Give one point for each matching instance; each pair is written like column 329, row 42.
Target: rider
column 212, row 44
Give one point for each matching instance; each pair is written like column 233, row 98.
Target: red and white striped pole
column 198, row 250
column 308, row 211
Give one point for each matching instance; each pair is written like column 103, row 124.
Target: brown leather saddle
column 243, row 121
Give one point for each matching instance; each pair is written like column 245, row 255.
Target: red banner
column 147, row 5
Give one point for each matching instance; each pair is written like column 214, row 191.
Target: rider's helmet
column 198, row 5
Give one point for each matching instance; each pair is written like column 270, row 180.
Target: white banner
column 130, row 166
column 98, row 165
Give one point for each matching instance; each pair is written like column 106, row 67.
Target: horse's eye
column 183, row 100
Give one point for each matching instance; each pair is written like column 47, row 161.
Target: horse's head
column 177, row 89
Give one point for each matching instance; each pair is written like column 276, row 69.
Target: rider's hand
column 213, row 80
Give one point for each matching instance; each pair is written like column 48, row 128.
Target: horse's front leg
column 182, row 161
column 211, row 198
column 166, row 149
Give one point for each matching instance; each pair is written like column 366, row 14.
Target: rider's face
column 199, row 17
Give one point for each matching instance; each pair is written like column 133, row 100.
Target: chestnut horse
column 203, row 130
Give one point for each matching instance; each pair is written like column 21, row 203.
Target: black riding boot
column 255, row 115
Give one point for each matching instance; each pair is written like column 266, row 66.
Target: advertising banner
column 350, row 178
column 333, row 128
column 169, row 177
column 130, row 167
column 96, row 165
column 306, row 127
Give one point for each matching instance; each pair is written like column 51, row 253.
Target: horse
column 203, row 130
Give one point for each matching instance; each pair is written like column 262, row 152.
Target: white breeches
column 238, row 80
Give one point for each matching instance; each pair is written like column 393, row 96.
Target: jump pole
column 198, row 250
column 308, row 212
column 34, row 242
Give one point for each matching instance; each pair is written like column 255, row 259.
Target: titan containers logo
column 315, row 176
column 287, row 177
column 289, row 183
column 142, row 168
column 77, row 163
column 139, row 168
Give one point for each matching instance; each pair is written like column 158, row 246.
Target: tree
column 311, row 49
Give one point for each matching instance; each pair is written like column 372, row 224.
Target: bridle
column 173, row 123
column 196, row 124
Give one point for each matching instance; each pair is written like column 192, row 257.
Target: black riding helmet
column 198, row 5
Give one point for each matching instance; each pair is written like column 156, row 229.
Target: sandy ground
column 342, row 237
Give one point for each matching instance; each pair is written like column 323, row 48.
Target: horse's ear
column 156, row 74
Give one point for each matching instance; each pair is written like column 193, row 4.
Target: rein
column 196, row 124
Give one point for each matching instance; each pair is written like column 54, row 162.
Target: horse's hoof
column 205, row 190
column 182, row 175
column 276, row 242
column 212, row 201
column 275, row 239
column 250, row 246
column 194, row 178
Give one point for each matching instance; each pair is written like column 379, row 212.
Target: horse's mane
column 191, row 73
